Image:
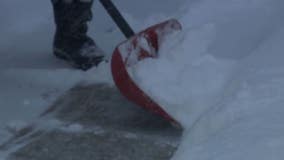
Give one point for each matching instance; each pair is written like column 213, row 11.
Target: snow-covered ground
column 31, row 77
column 222, row 77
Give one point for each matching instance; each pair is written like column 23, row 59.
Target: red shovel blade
column 142, row 45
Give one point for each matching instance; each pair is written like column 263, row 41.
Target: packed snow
column 221, row 77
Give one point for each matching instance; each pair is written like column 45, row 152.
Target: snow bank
column 216, row 78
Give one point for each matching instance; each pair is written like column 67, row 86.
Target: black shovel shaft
column 117, row 17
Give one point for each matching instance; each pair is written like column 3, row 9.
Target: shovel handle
column 117, row 18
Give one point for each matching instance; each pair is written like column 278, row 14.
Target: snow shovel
column 144, row 44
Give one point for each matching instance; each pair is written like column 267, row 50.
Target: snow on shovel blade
column 142, row 45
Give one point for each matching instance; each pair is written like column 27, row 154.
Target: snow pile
column 222, row 79
column 179, row 79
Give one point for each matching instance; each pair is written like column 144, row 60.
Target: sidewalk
column 96, row 122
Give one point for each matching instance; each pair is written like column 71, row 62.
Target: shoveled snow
column 221, row 77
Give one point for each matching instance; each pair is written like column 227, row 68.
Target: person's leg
column 71, row 42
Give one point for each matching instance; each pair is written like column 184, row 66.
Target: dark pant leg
column 71, row 25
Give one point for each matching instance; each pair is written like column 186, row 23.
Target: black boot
column 71, row 42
